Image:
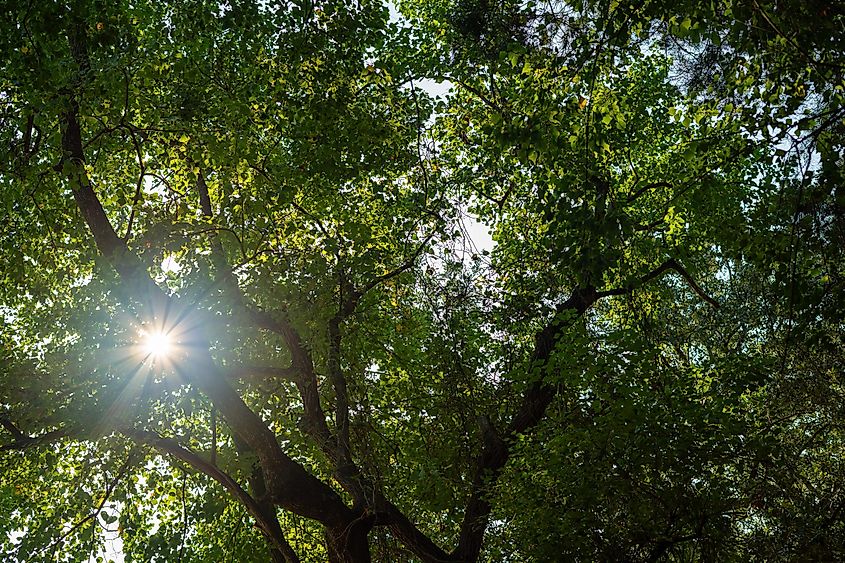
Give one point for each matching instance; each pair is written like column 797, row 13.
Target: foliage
column 645, row 364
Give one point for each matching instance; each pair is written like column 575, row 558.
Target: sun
column 156, row 344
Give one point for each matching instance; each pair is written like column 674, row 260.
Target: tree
column 244, row 317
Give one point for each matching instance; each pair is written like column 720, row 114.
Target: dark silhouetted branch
column 670, row 264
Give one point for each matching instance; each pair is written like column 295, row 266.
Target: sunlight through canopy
column 156, row 344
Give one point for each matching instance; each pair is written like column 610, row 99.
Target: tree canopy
column 251, row 312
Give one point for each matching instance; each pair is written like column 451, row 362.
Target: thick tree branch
column 347, row 472
column 301, row 364
column 495, row 450
column 656, row 273
column 111, row 246
column 363, row 491
column 347, row 304
column 288, row 483
column 13, row 429
column 337, row 449
column 411, row 537
column 306, row 383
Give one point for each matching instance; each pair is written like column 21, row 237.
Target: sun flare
column 156, row 344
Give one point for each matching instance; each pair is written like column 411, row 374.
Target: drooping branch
column 110, row 487
column 670, row 264
column 267, row 524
